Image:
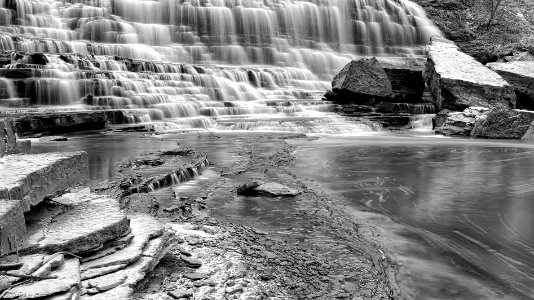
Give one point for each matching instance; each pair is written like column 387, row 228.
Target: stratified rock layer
column 505, row 124
column 457, row 81
column 448, row 122
column 12, row 226
column 80, row 228
column 520, row 74
column 30, row 177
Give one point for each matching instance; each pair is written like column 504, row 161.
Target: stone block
column 12, row 226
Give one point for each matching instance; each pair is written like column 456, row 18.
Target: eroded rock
column 448, row 122
column 12, row 226
column 457, row 81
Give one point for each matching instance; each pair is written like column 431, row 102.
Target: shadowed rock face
column 12, row 227
column 362, row 81
column 505, row 124
column 521, row 76
column 457, row 81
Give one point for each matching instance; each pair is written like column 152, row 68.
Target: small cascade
column 197, row 63
column 422, row 122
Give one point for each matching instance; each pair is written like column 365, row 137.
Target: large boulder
column 521, row 76
column 505, row 124
column 448, row 122
column 407, row 81
column 362, row 81
column 457, row 81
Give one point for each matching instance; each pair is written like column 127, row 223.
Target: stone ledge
column 31, row 177
column 12, row 226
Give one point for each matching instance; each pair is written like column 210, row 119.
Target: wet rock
column 62, row 122
column 506, row 124
column 80, row 228
column 12, row 226
column 31, row 177
column 362, row 81
column 68, row 276
column 457, row 81
column 270, row 189
column 521, row 76
column 447, row 122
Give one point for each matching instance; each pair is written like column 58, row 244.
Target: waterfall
column 196, row 62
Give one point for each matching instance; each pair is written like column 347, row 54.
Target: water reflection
column 468, row 202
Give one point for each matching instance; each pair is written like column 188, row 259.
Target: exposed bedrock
column 457, row 81
column 62, row 122
column 29, row 178
column 521, row 76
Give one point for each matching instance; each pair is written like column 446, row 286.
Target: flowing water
column 229, row 64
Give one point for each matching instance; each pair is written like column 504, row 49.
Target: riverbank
column 302, row 247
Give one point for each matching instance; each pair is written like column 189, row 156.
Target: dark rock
column 410, row 108
column 457, row 81
column 505, row 124
column 521, row 76
column 407, row 82
column 447, row 122
column 485, row 57
column 362, row 81
column 38, row 59
column 248, row 189
column 270, row 189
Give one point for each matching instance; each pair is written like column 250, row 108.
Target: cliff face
column 509, row 37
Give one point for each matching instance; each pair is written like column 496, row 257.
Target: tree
column 493, row 7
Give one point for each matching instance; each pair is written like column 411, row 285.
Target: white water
column 199, row 62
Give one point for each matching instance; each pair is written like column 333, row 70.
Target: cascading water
column 197, row 63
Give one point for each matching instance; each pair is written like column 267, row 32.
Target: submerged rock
column 362, row 81
column 521, row 76
column 505, row 124
column 457, row 81
column 447, row 122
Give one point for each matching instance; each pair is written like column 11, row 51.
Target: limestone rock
column 12, row 226
column 362, row 81
column 68, row 276
column 80, row 228
column 143, row 228
column 270, row 189
column 447, row 122
column 505, row 124
column 521, row 76
column 30, row 177
column 457, row 81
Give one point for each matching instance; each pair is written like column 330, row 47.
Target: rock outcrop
column 457, row 81
column 448, row 122
column 521, row 76
column 362, row 81
column 30, row 177
column 505, row 124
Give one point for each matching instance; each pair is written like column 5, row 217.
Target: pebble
column 196, row 275
column 180, row 293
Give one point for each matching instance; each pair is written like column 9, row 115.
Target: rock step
column 81, row 227
column 457, row 81
column 31, row 177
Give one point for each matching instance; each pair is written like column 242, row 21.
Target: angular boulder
column 31, row 177
column 362, row 81
column 521, row 76
column 407, row 81
column 448, row 122
column 457, row 81
column 505, row 124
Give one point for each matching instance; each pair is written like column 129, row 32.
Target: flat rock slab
column 520, row 74
column 31, row 177
column 68, row 277
column 143, row 228
column 457, row 81
column 80, row 228
column 12, row 226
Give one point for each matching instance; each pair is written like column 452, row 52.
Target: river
column 459, row 211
